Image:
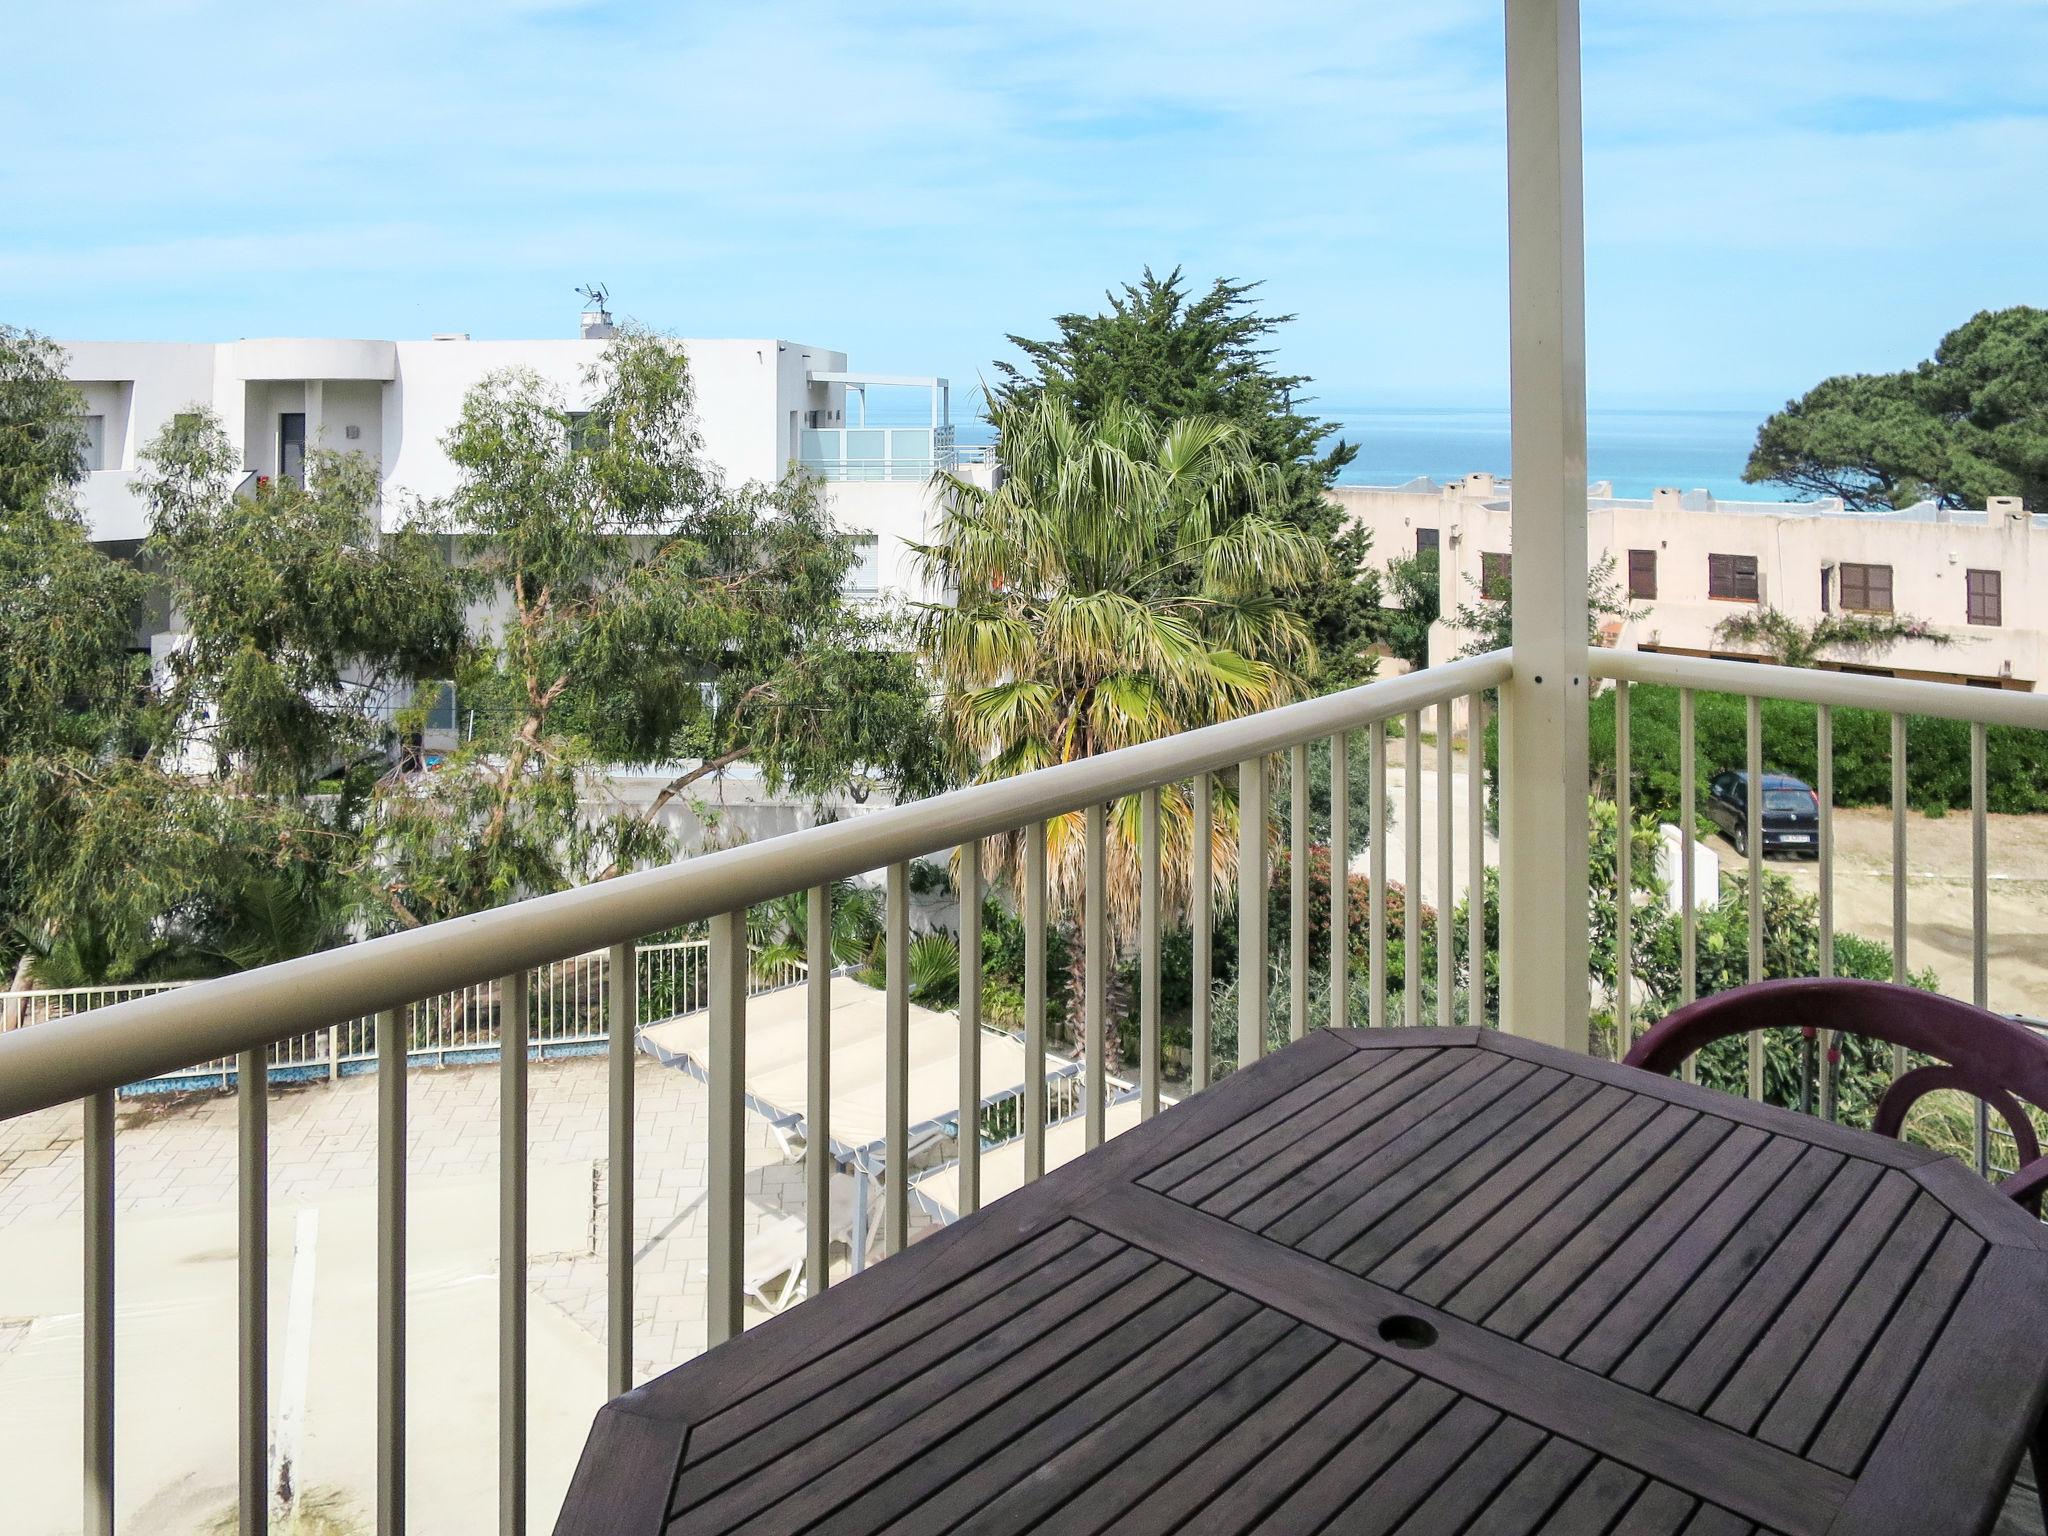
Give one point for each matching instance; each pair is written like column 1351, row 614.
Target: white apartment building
column 762, row 404
column 1688, row 561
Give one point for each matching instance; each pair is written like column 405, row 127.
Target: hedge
column 1937, row 753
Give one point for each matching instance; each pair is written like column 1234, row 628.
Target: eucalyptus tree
column 299, row 615
column 1129, row 579
column 69, row 684
column 635, row 611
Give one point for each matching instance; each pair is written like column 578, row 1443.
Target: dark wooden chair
column 1976, row 1052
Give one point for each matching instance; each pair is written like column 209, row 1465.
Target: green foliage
column 42, row 433
column 641, row 612
column 1127, row 581
column 120, row 865
column 1490, row 620
column 69, row 682
column 1415, row 587
column 298, row 614
column 1790, row 643
column 1175, row 356
column 1225, row 1018
column 1968, row 424
column 1937, row 752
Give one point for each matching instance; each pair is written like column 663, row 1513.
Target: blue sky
column 1776, row 189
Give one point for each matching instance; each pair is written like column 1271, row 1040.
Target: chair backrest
column 1980, row 1053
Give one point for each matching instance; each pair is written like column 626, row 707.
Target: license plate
column 1795, row 837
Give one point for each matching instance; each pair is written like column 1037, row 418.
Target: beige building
column 1690, row 561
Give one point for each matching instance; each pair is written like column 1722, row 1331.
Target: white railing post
column 99, row 1314
column 725, row 1160
column 1544, row 993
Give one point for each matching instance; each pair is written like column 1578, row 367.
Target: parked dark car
column 1791, row 813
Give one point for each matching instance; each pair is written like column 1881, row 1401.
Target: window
column 95, row 441
column 1427, row 540
column 1987, row 597
column 1866, row 588
column 1493, row 576
column 864, row 576
column 1642, row 573
column 291, row 446
column 1732, row 578
column 1826, row 603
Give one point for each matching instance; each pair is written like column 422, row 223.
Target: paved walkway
column 175, row 1183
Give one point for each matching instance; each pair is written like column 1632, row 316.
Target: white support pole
column 1544, row 993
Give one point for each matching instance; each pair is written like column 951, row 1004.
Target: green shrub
column 1937, row 753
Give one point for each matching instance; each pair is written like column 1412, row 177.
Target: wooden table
column 1406, row 1281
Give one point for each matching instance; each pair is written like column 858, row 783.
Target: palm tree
column 1127, row 580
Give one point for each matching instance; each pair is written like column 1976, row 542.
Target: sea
column 1638, row 450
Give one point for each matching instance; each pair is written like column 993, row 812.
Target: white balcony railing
column 567, row 1002
column 515, row 956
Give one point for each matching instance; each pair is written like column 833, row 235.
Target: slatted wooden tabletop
column 1404, row 1282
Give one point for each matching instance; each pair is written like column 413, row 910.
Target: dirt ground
column 1938, row 896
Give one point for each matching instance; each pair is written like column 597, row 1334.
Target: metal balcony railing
column 90, row 1056
column 1899, row 699
column 567, row 1003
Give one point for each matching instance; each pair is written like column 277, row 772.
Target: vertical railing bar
column 1688, row 807
column 1201, row 894
column 391, row 1169
column 1824, row 753
column 1297, row 891
column 1251, row 911
column 1376, row 888
column 514, row 1035
column 970, row 1027
column 99, row 1314
column 1980, row 873
column 1446, row 960
column 818, row 1168
column 1475, row 857
column 252, row 1199
column 1980, row 913
column 1149, row 921
column 1033, row 1105
column 621, row 1005
column 1624, row 875
column 1411, row 870
column 896, row 1065
column 1900, row 969
column 1095, row 962
column 1753, row 845
column 725, row 1159
column 1340, row 880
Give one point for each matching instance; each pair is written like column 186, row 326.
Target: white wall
column 1928, row 552
column 404, row 397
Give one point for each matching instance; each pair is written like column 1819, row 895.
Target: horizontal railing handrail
column 129, row 1042
column 1813, row 685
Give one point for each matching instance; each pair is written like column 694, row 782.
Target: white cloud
column 910, row 180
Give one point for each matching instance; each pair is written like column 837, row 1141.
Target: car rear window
column 1797, row 801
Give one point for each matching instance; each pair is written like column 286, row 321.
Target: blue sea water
column 1638, row 450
